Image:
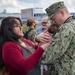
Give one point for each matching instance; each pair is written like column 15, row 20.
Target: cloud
column 6, row 4
column 17, row 5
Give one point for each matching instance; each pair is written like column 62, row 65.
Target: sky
column 15, row 6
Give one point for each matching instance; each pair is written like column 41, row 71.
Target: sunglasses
column 44, row 22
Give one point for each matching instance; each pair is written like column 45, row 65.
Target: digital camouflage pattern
column 61, row 52
column 32, row 35
column 52, row 9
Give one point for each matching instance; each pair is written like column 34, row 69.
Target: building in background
column 73, row 13
column 5, row 14
column 36, row 13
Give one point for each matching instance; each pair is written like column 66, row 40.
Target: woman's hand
column 44, row 45
column 25, row 47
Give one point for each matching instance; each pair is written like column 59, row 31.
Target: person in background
column 12, row 45
column 60, row 55
column 45, row 25
column 31, row 34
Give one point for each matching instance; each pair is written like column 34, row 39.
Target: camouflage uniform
column 61, row 52
column 32, row 35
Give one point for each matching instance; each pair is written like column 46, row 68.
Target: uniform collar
column 69, row 18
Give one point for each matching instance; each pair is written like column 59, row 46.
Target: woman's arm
column 12, row 56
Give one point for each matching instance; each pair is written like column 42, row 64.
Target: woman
column 31, row 34
column 12, row 44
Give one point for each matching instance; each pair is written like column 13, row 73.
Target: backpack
column 26, row 33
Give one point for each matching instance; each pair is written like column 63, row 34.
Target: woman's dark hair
column 7, row 34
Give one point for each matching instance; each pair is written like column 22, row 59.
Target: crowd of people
column 51, row 45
